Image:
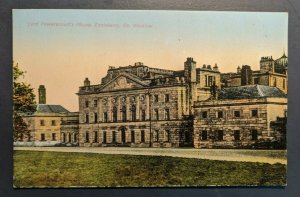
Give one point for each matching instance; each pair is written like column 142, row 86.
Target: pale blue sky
column 66, row 55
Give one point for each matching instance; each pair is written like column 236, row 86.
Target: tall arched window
column 113, row 137
column 87, row 118
column 96, row 136
column 115, row 114
column 104, row 137
column 124, row 119
column 87, row 137
column 133, row 113
column 95, row 117
column 123, row 135
column 143, row 115
column 156, row 135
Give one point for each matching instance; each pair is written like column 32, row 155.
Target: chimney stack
column 87, row 82
column 246, row 75
column 42, row 94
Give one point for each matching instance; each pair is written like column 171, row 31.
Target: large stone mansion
column 140, row 106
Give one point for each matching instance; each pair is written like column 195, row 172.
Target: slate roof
column 45, row 108
column 250, row 91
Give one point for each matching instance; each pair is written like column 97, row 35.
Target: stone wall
column 169, row 103
column 139, row 134
column 241, row 124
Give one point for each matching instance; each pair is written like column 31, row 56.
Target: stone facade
column 140, row 106
column 238, row 121
column 50, row 125
column 45, row 126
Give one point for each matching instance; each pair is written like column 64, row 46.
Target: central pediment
column 123, row 81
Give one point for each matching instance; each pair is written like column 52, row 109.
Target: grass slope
column 39, row 169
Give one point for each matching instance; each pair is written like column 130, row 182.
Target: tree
column 23, row 103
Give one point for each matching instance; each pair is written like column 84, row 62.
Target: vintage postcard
column 140, row 98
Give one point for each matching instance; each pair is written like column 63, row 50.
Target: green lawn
column 57, row 169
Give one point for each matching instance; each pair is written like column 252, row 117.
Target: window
column 133, row 113
column 70, row 138
column 87, row 137
column 204, row 114
column 104, row 137
column 86, row 103
column 204, row 135
column 156, row 98
column 143, row 115
column 95, row 103
column 53, row 137
column 220, row 114
column 256, row 80
column 113, row 137
column 42, row 122
column 95, row 117
column 156, row 136
column 115, row 114
column 64, row 137
column 142, row 136
column 237, row 135
column 96, row 136
column 167, row 114
column 209, row 80
column 124, row 113
column 132, row 136
column 87, row 118
column 123, row 135
column 167, row 98
column 254, row 134
column 220, row 135
column 53, row 123
column 283, row 84
column 167, row 136
column 237, row 114
column 156, row 114
column 105, row 119
column 42, row 137
column 254, row 113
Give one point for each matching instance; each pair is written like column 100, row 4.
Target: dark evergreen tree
column 23, row 103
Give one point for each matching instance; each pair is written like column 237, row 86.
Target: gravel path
column 262, row 156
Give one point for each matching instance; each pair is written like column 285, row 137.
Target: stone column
column 137, row 98
column 147, row 109
column 128, row 106
column 109, row 118
column 100, row 113
column 119, row 108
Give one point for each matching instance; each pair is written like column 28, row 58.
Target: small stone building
column 50, row 125
column 238, row 117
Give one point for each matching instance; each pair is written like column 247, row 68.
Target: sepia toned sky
column 59, row 48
